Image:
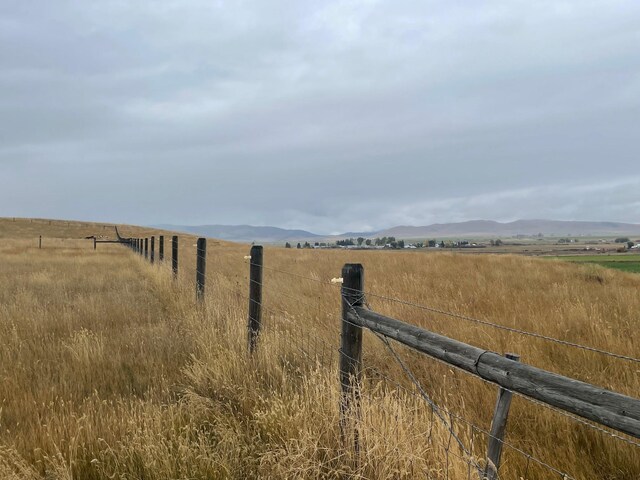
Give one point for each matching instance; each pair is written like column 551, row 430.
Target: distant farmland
column 625, row 263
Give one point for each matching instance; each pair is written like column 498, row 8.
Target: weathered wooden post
column 153, row 249
column 161, row 248
column 95, row 243
column 255, row 295
column 174, row 256
column 40, row 242
column 141, row 247
column 350, row 348
column 201, row 267
column 146, row 248
column 498, row 428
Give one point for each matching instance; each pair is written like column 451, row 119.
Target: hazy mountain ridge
column 472, row 228
column 244, row 233
column 490, row 228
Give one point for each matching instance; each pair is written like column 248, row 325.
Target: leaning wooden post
column 350, row 348
column 40, row 242
column 498, row 427
column 161, row 248
column 146, row 248
column 152, row 256
column 201, row 268
column 255, row 296
column 174, row 256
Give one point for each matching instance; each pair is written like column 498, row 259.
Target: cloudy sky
column 324, row 115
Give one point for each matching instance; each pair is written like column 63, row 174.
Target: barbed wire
column 296, row 342
column 464, row 317
column 503, row 327
column 422, row 394
column 532, row 400
column 555, row 409
column 415, row 382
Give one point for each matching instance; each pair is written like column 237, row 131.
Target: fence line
column 468, row 318
column 608, row 408
column 566, row 395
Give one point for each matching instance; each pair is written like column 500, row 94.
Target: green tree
column 287, row 245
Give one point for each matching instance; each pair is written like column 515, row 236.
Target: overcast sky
column 328, row 116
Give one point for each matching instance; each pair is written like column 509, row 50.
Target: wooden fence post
column 161, row 248
column 201, row 268
column 95, row 243
column 174, row 256
column 152, row 256
column 146, row 248
column 255, row 295
column 141, row 246
column 498, row 428
column 350, row 348
column 40, row 242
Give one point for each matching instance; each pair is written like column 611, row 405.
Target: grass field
column 111, row 370
column 626, row 262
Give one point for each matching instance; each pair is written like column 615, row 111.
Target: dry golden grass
column 110, row 370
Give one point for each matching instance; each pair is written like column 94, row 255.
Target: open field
column 625, row 262
column 110, row 369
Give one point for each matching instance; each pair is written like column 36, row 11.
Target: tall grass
column 110, row 370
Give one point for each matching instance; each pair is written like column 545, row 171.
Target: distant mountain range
column 488, row 228
column 473, row 228
column 244, row 233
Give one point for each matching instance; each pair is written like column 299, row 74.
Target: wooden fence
column 595, row 404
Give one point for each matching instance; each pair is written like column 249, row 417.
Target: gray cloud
column 326, row 115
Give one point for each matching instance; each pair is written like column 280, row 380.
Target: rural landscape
column 339, row 239
column 113, row 368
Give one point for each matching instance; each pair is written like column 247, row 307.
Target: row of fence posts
column 146, row 247
column 350, row 366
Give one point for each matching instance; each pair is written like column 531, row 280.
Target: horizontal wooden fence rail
column 605, row 407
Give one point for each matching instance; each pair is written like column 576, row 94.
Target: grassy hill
column 111, row 370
